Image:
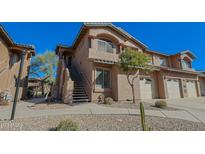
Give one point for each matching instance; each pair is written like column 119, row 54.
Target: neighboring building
column 94, row 56
column 38, row 87
column 10, row 62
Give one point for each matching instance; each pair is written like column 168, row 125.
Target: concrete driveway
column 190, row 108
column 197, row 104
column 194, row 106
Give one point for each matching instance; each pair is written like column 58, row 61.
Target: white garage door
column 191, row 88
column 202, row 87
column 173, row 88
column 146, row 88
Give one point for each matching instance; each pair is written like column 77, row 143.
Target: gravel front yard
column 46, row 106
column 130, row 105
column 101, row 123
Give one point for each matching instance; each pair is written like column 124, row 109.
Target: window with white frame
column 162, row 62
column 102, row 78
column 185, row 64
column 151, row 60
column 105, row 45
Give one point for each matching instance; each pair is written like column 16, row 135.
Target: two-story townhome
column 92, row 64
column 10, row 55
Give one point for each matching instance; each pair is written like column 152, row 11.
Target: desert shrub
column 108, row 100
column 5, row 98
column 67, row 125
column 4, row 103
column 101, row 98
column 161, row 104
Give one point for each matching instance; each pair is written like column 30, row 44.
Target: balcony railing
column 95, row 54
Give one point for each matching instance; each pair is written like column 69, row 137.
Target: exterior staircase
column 79, row 94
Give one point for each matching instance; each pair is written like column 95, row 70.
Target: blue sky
column 167, row 38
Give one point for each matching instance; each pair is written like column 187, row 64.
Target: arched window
column 105, row 45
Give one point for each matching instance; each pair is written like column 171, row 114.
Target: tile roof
column 106, row 24
column 102, row 61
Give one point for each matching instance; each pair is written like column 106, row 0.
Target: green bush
column 108, row 100
column 161, row 104
column 67, row 125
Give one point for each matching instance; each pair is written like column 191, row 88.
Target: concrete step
column 79, row 87
column 78, row 92
column 80, row 97
column 75, row 96
column 77, row 81
column 78, row 84
column 80, row 100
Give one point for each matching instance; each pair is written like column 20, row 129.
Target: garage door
column 191, row 88
column 173, row 88
column 202, row 87
column 146, row 88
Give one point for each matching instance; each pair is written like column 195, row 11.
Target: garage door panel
column 191, row 89
column 146, row 88
column 173, row 88
column 202, row 87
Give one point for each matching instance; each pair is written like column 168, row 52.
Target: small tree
column 132, row 62
column 44, row 66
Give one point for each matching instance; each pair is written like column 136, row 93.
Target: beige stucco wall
column 117, row 38
column 4, row 66
column 8, row 73
column 83, row 65
column 83, row 53
column 175, row 63
column 111, row 92
column 120, row 88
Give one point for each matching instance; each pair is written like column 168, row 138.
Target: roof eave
column 86, row 25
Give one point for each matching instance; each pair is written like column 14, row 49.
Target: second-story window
column 186, row 64
column 151, row 60
column 162, row 62
column 105, row 45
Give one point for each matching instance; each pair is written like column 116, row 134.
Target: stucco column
column 198, row 88
column 164, row 87
column 120, row 48
column 183, row 88
column 114, row 82
column 161, row 85
column 92, row 41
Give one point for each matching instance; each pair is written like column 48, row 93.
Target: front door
column 69, row 61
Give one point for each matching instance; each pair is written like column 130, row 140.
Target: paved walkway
column 187, row 112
